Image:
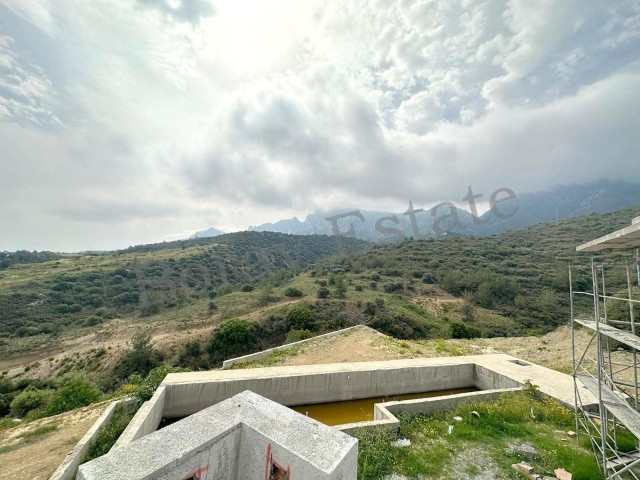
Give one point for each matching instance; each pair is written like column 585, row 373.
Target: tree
column 468, row 312
column 232, row 338
column 141, row 359
column 299, row 317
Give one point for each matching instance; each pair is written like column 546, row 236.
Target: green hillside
column 521, row 275
column 48, row 298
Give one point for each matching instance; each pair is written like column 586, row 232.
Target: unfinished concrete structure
column 603, row 300
column 238, row 427
column 183, row 394
column 243, row 437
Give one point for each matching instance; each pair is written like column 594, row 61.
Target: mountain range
column 553, row 204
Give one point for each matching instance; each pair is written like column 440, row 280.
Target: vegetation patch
column 107, row 437
column 487, row 430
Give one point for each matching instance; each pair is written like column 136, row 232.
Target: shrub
column 323, row 292
column 142, row 358
column 293, row 292
column 29, row 400
column 232, row 338
column 299, row 317
column 74, row 391
column 297, row 335
column 145, row 387
column 460, row 330
column 393, row 287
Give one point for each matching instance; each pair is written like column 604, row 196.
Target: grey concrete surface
column 183, row 394
column 146, row 419
column 306, row 384
column 240, row 438
column 67, row 469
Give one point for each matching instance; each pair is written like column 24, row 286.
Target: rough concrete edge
column 386, row 419
column 135, row 428
column 265, row 353
column 443, row 402
column 69, row 466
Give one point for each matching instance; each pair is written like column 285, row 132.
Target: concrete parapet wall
column 241, row 438
column 436, row 404
column 146, row 419
column 183, row 394
column 265, row 353
column 302, row 388
column 487, row 379
column 385, row 413
column 67, row 469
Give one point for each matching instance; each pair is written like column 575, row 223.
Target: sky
column 136, row 121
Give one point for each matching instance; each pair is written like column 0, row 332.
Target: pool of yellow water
column 350, row 411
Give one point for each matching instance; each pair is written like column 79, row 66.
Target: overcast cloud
column 125, row 122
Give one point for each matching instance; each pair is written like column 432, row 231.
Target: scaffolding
column 604, row 300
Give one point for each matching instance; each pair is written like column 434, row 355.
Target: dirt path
column 35, row 450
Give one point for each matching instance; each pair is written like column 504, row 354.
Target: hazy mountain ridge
column 556, row 203
column 208, row 233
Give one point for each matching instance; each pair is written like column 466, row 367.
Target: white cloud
column 121, row 122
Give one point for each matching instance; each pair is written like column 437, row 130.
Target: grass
column 109, row 434
column 30, row 436
column 276, row 357
column 436, row 454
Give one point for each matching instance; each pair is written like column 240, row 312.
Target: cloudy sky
column 133, row 121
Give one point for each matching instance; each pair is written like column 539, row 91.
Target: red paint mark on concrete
column 197, row 474
column 267, row 466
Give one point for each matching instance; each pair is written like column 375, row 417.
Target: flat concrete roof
column 624, row 239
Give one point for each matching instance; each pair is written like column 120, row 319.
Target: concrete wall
column 385, row 413
column 237, row 439
column 486, row 379
column 146, row 419
column 182, row 399
column 436, row 404
column 187, row 393
column 67, row 469
column 265, row 353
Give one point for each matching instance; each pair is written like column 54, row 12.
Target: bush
column 141, row 359
column 146, row 387
column 293, row 292
column 232, row 338
column 323, row 292
column 297, row 335
column 74, row 391
column 191, row 356
column 29, row 400
column 393, row 287
column 460, row 330
column 299, row 317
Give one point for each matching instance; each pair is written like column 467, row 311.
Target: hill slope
column 39, row 301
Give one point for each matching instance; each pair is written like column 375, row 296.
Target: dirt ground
column 552, row 350
column 35, row 450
